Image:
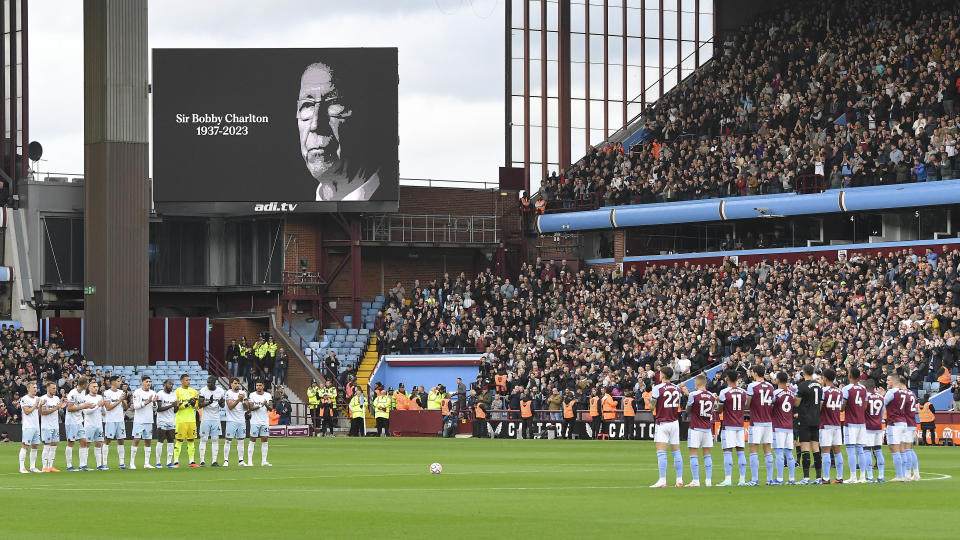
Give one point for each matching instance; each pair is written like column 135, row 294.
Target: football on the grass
column 436, row 468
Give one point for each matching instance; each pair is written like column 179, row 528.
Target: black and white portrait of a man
column 332, row 136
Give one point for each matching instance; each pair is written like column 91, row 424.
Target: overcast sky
column 451, row 68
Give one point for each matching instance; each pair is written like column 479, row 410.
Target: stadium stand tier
column 819, row 95
column 555, row 329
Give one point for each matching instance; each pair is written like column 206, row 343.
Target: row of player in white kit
column 92, row 418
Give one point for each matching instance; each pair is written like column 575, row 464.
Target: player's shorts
column 699, row 438
column 832, row 436
column 761, row 434
column 260, row 430
column 873, row 438
column 94, row 433
column 165, row 426
column 783, row 438
column 50, row 435
column 115, row 430
column 854, row 434
column 186, row 431
column 210, row 428
column 75, row 432
column 731, row 438
column 30, row 436
column 143, row 431
column 236, row 430
column 808, row 434
column 896, row 433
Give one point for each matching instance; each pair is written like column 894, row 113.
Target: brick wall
column 464, row 202
column 619, row 241
column 383, row 267
column 235, row 328
column 304, row 244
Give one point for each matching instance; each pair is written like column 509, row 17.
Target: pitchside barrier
column 553, row 429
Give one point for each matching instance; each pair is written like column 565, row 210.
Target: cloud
column 460, row 140
column 450, row 56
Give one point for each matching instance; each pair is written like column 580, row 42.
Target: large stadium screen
column 243, row 131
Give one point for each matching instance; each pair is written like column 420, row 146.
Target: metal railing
column 432, row 229
column 214, row 366
column 50, row 176
column 462, row 184
column 286, row 326
column 61, row 177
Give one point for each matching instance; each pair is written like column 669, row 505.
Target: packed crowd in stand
column 822, row 94
column 556, row 330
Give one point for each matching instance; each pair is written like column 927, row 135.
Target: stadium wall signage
column 511, row 429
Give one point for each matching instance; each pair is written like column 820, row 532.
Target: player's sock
column 779, row 459
column 216, row 447
column 226, row 449
column 799, row 453
column 23, row 457
column 264, row 448
column 826, row 460
column 791, row 465
column 818, row 463
column 852, row 454
column 159, row 450
column 146, row 455
column 68, row 453
column 240, row 450
column 694, row 466
column 104, row 454
column 897, row 464
column 727, row 466
column 98, row 455
column 742, row 465
column 84, row 454
column 203, row 448
column 677, row 464
column 878, row 453
column 865, row 461
column 914, row 462
column 708, row 467
column 33, row 458
column 661, row 463
column 177, row 450
column 133, row 455
column 121, row 456
column 805, row 464
column 250, row 449
column 768, row 462
column 754, row 467
column 191, row 451
column 170, row 448
column 44, row 452
column 838, row 461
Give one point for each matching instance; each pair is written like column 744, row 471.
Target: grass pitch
column 350, row 488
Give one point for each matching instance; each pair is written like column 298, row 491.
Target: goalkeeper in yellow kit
column 186, row 420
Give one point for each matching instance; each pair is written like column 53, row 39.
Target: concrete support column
column 115, row 181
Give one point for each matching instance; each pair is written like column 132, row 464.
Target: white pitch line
column 375, row 475
column 942, row 477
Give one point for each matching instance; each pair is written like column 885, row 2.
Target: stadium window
column 63, row 250
column 178, row 253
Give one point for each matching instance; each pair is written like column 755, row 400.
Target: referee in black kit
column 807, row 428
